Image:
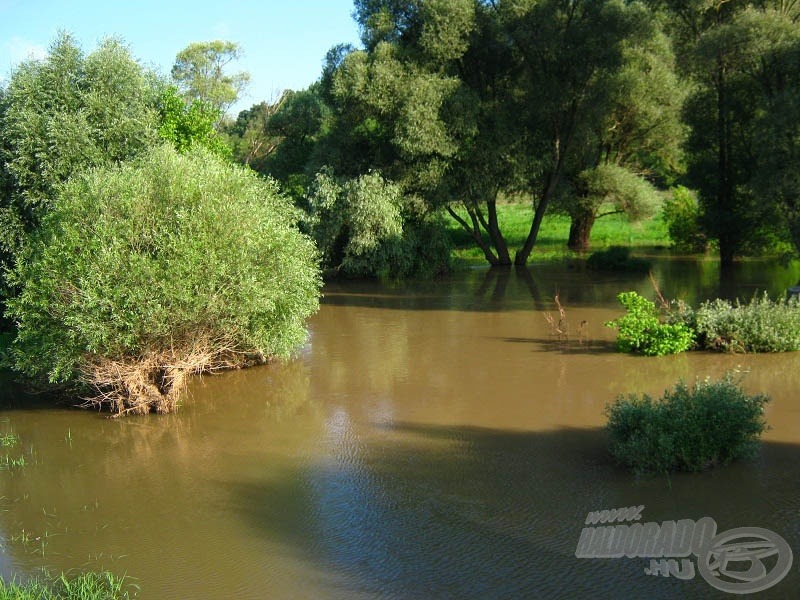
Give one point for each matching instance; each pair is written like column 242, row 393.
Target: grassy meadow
column 515, row 221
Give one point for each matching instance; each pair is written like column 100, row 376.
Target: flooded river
column 432, row 440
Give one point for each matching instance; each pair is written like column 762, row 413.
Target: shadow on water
column 565, row 346
column 464, row 512
column 16, row 395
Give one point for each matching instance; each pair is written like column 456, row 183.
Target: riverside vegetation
column 688, row 429
column 168, row 265
column 760, row 325
column 86, row 586
column 92, row 585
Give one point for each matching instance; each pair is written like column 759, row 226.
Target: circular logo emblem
column 733, row 560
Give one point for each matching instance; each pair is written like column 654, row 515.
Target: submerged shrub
column 688, row 429
column 641, row 329
column 762, row 325
column 147, row 272
column 617, row 258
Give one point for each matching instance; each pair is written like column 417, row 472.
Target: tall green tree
column 199, row 72
column 635, row 142
column 773, row 59
column 568, row 52
column 737, row 56
column 462, row 101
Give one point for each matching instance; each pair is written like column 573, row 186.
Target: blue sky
column 284, row 41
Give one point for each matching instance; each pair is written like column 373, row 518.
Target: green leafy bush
column 762, row 325
column 187, row 124
column 617, row 258
column 688, row 429
column 154, row 269
column 366, row 227
column 641, row 329
column 681, row 213
column 67, row 112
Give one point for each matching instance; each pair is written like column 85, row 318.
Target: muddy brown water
column 432, row 440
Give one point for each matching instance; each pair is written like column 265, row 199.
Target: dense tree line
column 585, row 107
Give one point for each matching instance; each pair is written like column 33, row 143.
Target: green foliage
column 65, row 113
column 741, row 58
column 620, row 189
column 151, row 256
column 688, row 429
column 186, row 125
column 762, row 325
column 199, row 73
column 366, row 228
column 682, row 215
column 642, row 330
column 617, row 258
column 86, row 586
column 278, row 139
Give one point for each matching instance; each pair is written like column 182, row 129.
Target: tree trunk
column 726, row 230
column 475, row 232
column 498, row 241
column 580, row 229
column 521, row 257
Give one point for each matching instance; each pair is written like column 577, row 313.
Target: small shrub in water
column 617, row 258
column 762, row 325
column 688, row 429
column 641, row 329
column 147, row 272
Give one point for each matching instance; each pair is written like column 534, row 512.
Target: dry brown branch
column 661, row 299
column 558, row 328
column 154, row 381
column 583, row 332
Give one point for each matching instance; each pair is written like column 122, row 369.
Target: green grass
column 9, row 439
column 515, row 221
column 87, row 586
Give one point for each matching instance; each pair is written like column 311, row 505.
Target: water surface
column 432, row 440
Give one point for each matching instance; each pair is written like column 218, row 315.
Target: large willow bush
column 170, row 265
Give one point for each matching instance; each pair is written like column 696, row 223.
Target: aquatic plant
column 761, row 325
column 86, row 586
column 642, row 330
column 688, row 429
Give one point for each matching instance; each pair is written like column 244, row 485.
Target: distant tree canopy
column 741, row 59
column 586, row 107
column 187, row 125
column 462, row 101
column 199, row 72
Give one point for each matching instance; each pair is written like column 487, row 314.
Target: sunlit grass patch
column 86, row 586
column 551, row 244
